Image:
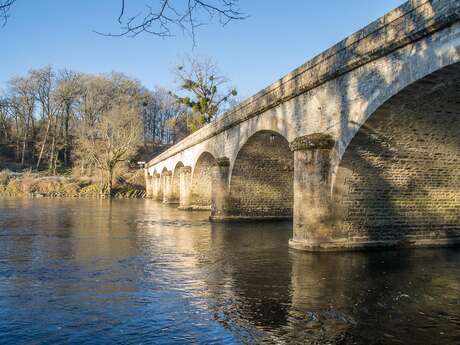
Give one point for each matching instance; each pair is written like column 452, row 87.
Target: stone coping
column 409, row 22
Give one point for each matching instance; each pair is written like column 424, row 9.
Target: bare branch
column 5, row 6
column 122, row 11
column 165, row 19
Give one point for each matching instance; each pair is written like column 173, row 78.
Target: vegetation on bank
column 30, row 184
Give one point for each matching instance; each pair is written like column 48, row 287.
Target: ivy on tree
column 200, row 79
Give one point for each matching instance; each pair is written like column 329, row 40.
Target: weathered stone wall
column 261, row 182
column 399, row 178
column 202, row 181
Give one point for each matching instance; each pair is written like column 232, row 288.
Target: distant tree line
column 93, row 123
column 54, row 120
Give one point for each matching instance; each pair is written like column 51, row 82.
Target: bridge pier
column 148, row 184
column 168, row 197
column 220, row 191
column 313, row 220
column 185, row 188
column 156, row 187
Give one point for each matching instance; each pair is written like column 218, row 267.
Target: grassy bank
column 31, row 184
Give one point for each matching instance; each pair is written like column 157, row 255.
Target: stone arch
column 164, row 172
column 372, row 85
column 176, row 181
column 261, row 183
column 202, row 181
column 399, row 177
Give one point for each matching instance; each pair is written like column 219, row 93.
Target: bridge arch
column 261, row 181
column 370, row 87
column 164, row 172
column 202, row 180
column 399, row 176
column 176, row 181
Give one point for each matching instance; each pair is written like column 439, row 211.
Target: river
column 140, row 272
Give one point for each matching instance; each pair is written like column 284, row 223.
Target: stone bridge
column 359, row 146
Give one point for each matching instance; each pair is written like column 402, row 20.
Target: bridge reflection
column 255, row 286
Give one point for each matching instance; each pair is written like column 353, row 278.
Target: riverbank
column 33, row 184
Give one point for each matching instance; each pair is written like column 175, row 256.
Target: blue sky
column 276, row 38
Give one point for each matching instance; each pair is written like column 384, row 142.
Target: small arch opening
column 202, row 181
column 262, row 179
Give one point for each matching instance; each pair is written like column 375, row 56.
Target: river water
column 140, row 272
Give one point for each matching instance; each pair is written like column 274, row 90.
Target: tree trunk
column 55, row 162
column 66, row 137
column 51, row 159
column 109, row 184
column 24, row 143
column 101, row 185
column 53, row 146
column 17, row 139
column 5, row 131
column 44, row 143
column 32, row 132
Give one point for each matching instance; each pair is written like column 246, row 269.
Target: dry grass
column 31, row 184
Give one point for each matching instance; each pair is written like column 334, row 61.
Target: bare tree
column 66, row 95
column 44, row 82
column 5, row 118
column 113, row 139
column 165, row 17
column 110, row 131
column 200, row 78
column 159, row 107
column 5, row 6
column 70, row 119
column 22, row 99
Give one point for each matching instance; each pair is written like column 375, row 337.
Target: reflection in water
column 91, row 271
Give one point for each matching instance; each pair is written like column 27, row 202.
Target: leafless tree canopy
column 5, row 6
column 200, row 83
column 164, row 17
column 54, row 119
